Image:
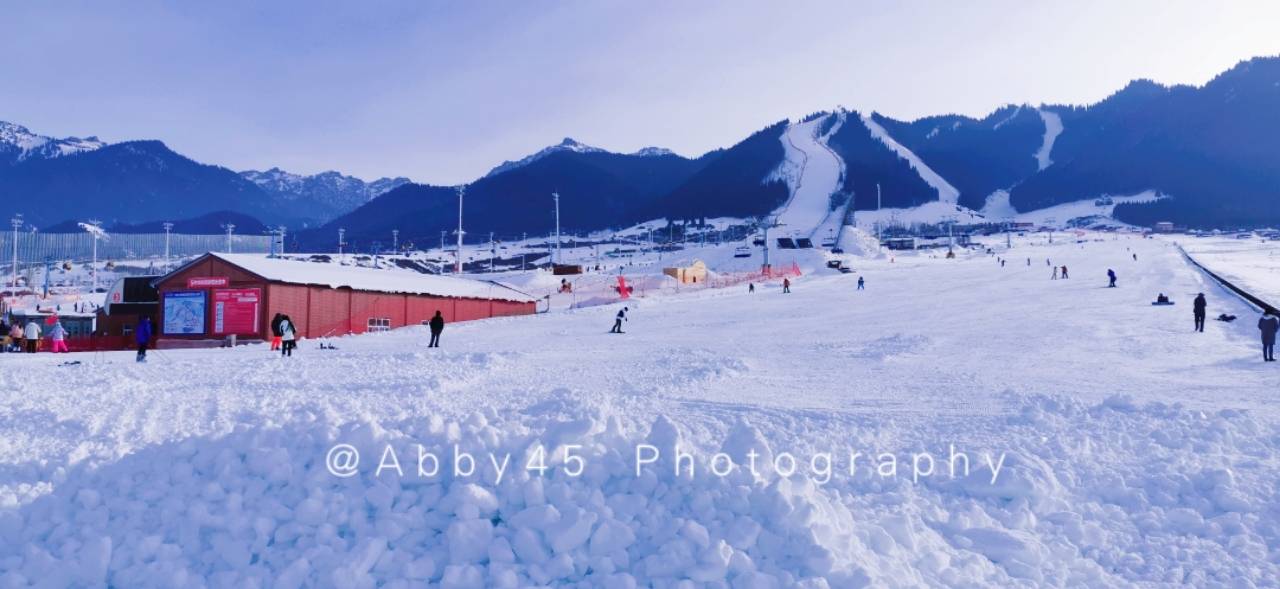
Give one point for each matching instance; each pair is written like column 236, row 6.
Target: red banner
column 208, row 281
column 235, row 310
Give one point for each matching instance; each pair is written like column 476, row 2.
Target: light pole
column 95, row 229
column 282, row 231
column 395, row 240
column 492, row 251
column 168, row 227
column 342, row 240
column 462, row 191
column 230, row 227
column 559, row 258
column 16, row 221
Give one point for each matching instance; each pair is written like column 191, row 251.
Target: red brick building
column 218, row 295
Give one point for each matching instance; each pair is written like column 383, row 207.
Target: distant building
column 691, row 274
column 218, row 295
column 1164, row 227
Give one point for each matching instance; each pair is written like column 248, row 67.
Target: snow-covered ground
column 1252, row 264
column 1135, row 451
column 813, row 172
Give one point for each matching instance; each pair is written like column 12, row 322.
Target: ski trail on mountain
column 1052, row 128
column 813, row 172
column 946, row 192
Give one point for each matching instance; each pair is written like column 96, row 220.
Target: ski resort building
column 219, row 295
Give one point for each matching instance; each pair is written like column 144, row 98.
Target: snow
column 1061, row 215
column 1252, row 264
column 568, row 144
column 1136, row 452
column 813, row 173
column 370, row 279
column 30, row 144
column 930, row 212
column 946, row 192
column 1052, row 129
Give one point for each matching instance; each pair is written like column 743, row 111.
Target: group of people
column 19, row 338
column 284, row 335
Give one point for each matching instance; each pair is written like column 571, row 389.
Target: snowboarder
column 437, row 326
column 1268, row 325
column 288, row 336
column 1064, row 271
column 786, row 285
column 275, row 331
column 1111, row 275
column 617, row 321
column 1198, row 308
column 862, row 283
column 32, row 336
column 142, row 335
column 751, row 287
column 58, row 336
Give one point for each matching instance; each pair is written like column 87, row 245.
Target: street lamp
column 168, row 227
column 16, row 221
column 462, row 191
column 230, row 227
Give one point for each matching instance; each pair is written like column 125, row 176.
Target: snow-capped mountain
column 567, row 145
column 17, row 143
column 324, row 195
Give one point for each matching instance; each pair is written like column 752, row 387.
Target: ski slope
column 1052, row 129
column 946, row 192
column 1138, row 453
column 814, row 173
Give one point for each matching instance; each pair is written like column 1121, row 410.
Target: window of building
column 379, row 324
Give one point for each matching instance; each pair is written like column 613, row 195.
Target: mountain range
column 1212, row 151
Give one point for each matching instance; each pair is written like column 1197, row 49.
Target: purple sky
column 442, row 91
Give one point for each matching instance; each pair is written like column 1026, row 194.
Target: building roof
column 370, row 279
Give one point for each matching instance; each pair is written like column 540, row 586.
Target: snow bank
column 1108, row 494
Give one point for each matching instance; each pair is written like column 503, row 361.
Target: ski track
column 818, row 174
column 1052, row 129
column 1141, row 454
column 946, row 192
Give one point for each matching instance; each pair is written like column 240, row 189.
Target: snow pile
column 858, row 242
column 471, row 507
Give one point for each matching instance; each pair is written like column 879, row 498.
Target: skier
column 288, row 336
column 58, row 335
column 275, row 331
column 143, row 335
column 1135, row 257
column 1198, row 308
column 437, row 326
column 862, row 283
column 1055, row 273
column 1028, row 262
column 1111, row 274
column 751, row 287
column 1268, row 325
column 786, row 285
column 1002, row 263
column 32, row 336
column 617, row 321
column 1064, row 271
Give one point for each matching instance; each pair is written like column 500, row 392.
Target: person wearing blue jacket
column 143, row 336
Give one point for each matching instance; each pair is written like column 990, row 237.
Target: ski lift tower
column 559, row 256
column 766, row 224
column 462, row 190
column 342, row 241
column 168, row 228
column 230, row 227
column 94, row 227
column 16, row 221
column 395, row 240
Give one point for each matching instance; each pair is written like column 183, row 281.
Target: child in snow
column 15, row 337
column 58, row 335
column 1268, row 324
column 288, row 337
column 275, row 331
column 862, row 283
column 751, row 287
column 142, row 336
column 617, row 321
column 437, row 326
column 786, row 285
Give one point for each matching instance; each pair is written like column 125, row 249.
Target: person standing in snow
column 786, row 285
column 751, row 287
column 275, row 331
column 143, row 335
column 1064, row 271
column 4, row 336
column 58, row 336
column 1055, row 273
column 862, row 283
column 32, row 336
column 437, row 326
column 1268, row 325
column 1111, row 274
column 15, row 337
column 1198, row 308
column 288, row 336
column 617, row 321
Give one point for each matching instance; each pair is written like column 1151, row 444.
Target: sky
column 441, row 92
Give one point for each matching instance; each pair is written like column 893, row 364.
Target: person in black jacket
column 437, row 326
column 1198, row 308
column 275, row 331
column 1268, row 325
column 617, row 321
column 1111, row 274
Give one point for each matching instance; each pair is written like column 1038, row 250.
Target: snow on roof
column 370, row 279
